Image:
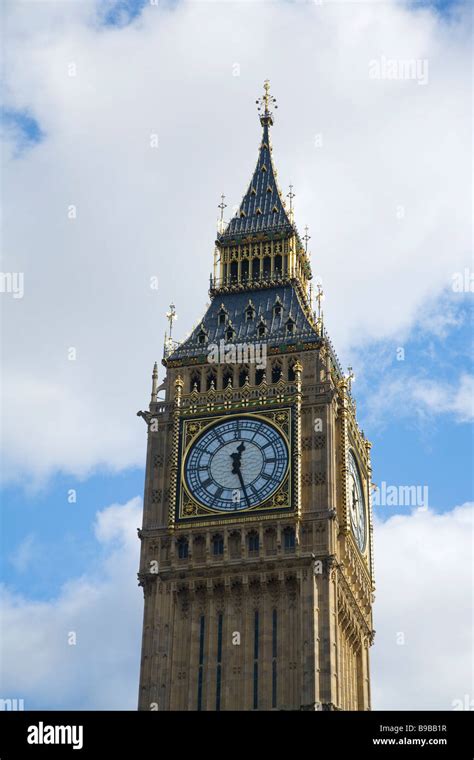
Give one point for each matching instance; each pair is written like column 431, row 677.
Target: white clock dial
column 357, row 504
column 236, row 464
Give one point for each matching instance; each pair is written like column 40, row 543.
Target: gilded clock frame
column 188, row 511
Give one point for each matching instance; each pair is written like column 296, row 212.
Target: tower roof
column 262, row 209
column 245, row 330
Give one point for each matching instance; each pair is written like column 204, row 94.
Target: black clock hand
column 236, row 457
column 239, row 473
column 236, row 465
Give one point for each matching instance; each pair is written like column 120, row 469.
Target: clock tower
column 256, row 544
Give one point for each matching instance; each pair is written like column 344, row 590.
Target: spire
column 154, row 383
column 262, row 208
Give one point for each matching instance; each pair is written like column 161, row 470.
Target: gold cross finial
column 171, row 316
column 291, row 195
column 319, row 298
column 266, row 97
column 222, row 206
column 265, row 103
column 306, row 238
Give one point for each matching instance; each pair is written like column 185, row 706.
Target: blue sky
column 388, row 287
column 414, row 442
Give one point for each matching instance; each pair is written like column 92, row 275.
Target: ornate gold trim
column 234, row 520
column 190, row 508
column 178, row 387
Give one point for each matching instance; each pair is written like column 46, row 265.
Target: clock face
column 356, row 504
column 236, row 464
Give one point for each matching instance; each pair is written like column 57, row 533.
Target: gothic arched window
column 195, row 381
column 267, row 266
column 227, row 376
column 250, row 312
column 289, row 539
column 253, row 541
column 243, row 374
column 211, row 380
column 276, row 372
column 291, row 371
column 183, row 548
column 217, row 545
column 277, row 308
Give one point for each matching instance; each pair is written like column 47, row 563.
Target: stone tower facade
column 256, row 545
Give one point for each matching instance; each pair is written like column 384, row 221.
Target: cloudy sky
column 123, row 123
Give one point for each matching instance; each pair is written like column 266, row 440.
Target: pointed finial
column 319, row 298
column 222, row 206
column 154, row 383
column 319, row 319
column 291, row 195
column 298, row 369
column 264, row 105
column 171, row 316
column 350, row 378
column 306, row 238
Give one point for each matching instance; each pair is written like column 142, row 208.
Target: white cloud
column 143, row 212
column 424, row 582
column 424, row 577
column 64, row 427
column 104, row 610
column 441, row 316
column 463, row 403
column 442, row 398
column 421, row 398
